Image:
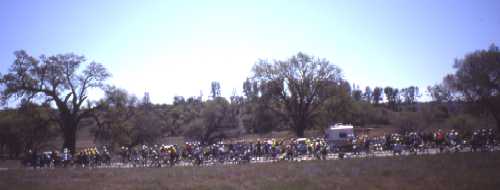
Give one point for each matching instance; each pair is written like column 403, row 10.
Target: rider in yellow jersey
column 173, row 150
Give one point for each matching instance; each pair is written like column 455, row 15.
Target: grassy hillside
column 454, row 171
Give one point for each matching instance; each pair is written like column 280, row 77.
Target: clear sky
column 170, row 48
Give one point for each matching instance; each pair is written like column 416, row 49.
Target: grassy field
column 455, row 171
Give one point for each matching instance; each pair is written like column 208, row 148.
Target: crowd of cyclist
column 194, row 153
column 88, row 157
column 415, row 142
column 262, row 150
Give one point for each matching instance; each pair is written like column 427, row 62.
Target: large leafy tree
column 367, row 95
column 215, row 89
column 393, row 98
column 147, row 126
column 440, row 93
column 213, row 123
column 176, row 118
column 357, row 94
column 257, row 115
column 55, row 79
column 477, row 80
column 377, row 95
column 341, row 109
column 296, row 85
column 114, row 117
column 410, row 96
column 27, row 127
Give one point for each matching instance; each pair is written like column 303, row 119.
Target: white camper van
column 339, row 133
column 339, row 137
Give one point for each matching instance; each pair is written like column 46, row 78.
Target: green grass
column 455, row 171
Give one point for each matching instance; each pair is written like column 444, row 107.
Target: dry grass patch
column 456, row 171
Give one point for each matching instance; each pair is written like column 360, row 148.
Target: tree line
column 297, row 94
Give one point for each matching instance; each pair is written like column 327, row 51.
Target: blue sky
column 170, row 48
